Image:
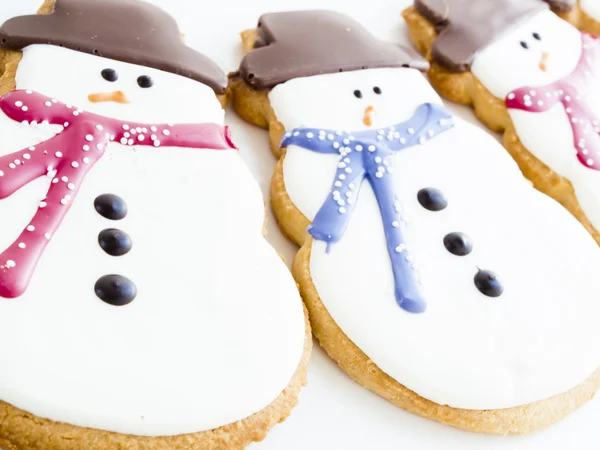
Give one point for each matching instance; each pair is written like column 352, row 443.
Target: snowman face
column 116, row 89
column 354, row 101
column 538, row 51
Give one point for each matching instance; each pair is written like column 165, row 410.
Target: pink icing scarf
column 67, row 158
column 568, row 91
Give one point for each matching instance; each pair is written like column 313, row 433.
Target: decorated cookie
column 543, row 99
column 140, row 306
column 434, row 274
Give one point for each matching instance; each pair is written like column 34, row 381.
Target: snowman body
column 467, row 350
column 548, row 135
column 216, row 331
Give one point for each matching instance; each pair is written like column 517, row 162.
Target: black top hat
column 304, row 43
column 125, row 30
column 467, row 26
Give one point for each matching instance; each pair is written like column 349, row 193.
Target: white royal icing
column 538, row 339
column 217, row 329
column 548, row 135
column 591, row 7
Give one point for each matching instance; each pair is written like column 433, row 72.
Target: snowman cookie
column 140, row 306
column 432, row 270
column 543, row 99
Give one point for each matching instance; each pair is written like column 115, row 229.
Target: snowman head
column 334, row 72
column 116, row 89
column 357, row 100
column 134, row 68
column 535, row 52
column 507, row 44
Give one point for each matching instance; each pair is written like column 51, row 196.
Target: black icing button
column 111, row 206
column 488, row 283
column 432, row 199
column 115, row 242
column 115, row 290
column 458, row 244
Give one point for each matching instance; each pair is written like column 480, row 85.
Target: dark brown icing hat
column 126, row 30
column 305, row 43
column 467, row 26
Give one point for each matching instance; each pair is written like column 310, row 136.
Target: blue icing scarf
column 365, row 154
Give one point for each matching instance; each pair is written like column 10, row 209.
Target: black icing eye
column 537, row 36
column 524, row 44
column 110, row 75
column 357, row 94
column 145, row 81
column 377, row 90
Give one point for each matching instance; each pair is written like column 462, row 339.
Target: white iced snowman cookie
column 431, row 268
column 140, row 305
column 543, row 97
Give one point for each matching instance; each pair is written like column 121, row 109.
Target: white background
column 334, row 412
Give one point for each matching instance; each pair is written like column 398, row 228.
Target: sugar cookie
column 140, row 306
column 433, row 272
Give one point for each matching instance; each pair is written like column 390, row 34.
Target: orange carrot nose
column 544, row 62
column 369, row 116
column 117, row 96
